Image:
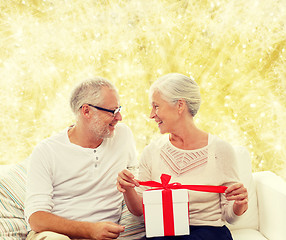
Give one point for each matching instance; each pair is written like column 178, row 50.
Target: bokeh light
column 235, row 50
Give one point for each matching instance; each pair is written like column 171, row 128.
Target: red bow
column 165, row 179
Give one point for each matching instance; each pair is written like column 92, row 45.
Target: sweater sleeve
column 227, row 210
column 225, row 154
column 145, row 168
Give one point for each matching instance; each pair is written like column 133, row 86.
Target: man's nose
column 118, row 116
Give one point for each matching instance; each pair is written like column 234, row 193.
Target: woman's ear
column 181, row 105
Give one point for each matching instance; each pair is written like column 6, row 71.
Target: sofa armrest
column 271, row 197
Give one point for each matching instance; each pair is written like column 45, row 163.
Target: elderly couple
column 77, row 178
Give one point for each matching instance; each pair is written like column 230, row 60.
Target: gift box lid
column 155, row 196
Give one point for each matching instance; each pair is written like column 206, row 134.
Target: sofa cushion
column 134, row 226
column 250, row 218
column 12, row 195
column 271, row 194
column 247, row 234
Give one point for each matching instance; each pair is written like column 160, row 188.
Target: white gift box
column 166, row 216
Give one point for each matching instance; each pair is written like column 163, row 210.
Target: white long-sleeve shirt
column 79, row 183
column 214, row 164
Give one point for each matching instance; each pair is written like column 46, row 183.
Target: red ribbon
column 165, row 179
column 167, row 200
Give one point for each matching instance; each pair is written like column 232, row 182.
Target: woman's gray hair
column 89, row 91
column 175, row 86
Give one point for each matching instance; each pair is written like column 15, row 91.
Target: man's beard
column 100, row 132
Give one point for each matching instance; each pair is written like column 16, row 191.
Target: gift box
column 166, row 212
column 166, row 206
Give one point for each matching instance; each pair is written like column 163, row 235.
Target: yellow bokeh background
column 235, row 50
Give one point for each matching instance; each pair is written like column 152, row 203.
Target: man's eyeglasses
column 114, row 112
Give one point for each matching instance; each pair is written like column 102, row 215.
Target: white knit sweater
column 214, row 164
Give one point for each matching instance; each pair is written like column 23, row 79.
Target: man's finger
column 115, row 228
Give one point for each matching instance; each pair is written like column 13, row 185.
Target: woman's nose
column 152, row 113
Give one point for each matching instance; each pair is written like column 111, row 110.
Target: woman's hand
column 125, row 181
column 238, row 193
column 126, row 184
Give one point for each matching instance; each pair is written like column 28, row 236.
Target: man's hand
column 105, row 230
column 44, row 221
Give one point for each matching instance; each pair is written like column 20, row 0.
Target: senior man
column 71, row 183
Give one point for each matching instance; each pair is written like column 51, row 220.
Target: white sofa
column 265, row 218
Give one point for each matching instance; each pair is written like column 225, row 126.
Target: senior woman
column 190, row 156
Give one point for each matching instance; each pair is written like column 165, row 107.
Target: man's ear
column 85, row 111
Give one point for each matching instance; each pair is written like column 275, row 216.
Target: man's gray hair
column 89, row 91
column 175, row 86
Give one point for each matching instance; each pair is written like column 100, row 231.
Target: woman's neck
column 189, row 137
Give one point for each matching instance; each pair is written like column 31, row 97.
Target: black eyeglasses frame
column 114, row 112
